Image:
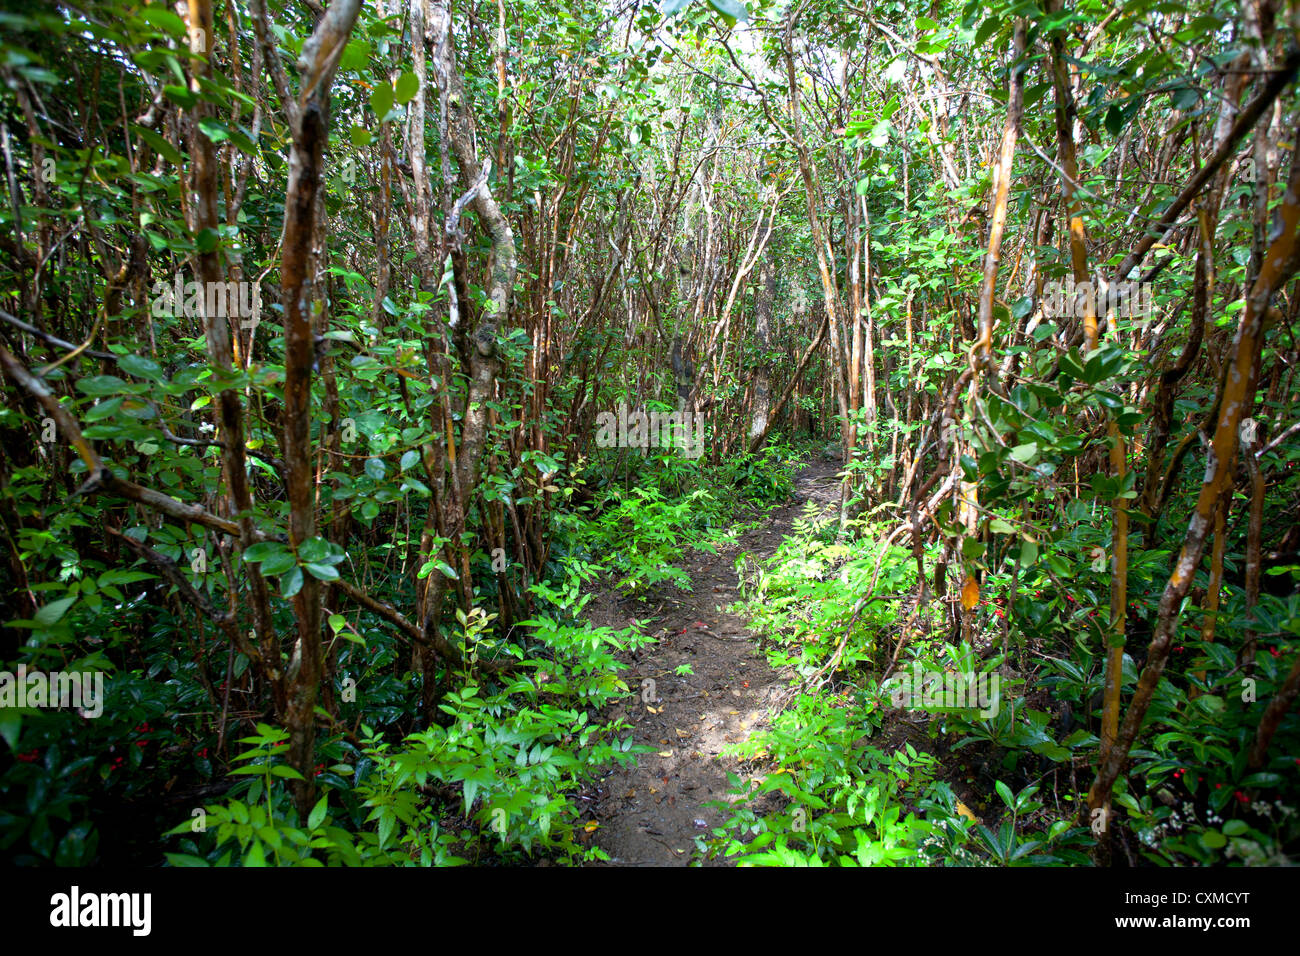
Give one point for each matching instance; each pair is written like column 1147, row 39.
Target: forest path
column 650, row 813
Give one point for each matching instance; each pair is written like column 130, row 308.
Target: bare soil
column 650, row 813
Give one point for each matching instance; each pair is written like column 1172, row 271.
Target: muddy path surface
column 650, row 813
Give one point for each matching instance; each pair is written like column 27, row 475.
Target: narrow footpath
column 650, row 813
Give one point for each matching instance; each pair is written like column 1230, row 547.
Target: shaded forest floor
column 650, row 813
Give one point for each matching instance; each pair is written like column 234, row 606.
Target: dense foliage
column 314, row 320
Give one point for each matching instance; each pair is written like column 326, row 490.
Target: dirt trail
column 650, row 813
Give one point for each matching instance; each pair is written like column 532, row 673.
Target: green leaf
column 262, row 550
column 207, row 240
column 970, row 468
column 214, row 130
column 381, row 100
column 1213, row 840
column 279, row 562
column 1071, row 365
column 417, row 484
column 1184, row 98
column 291, row 583
column 317, row 815
column 1099, row 365
column 1262, row 779
column 159, row 145
column 1025, row 453
column 181, row 96
column 987, row 29
column 407, row 86
column 355, row 56
column 1034, row 93
column 322, row 572
column 11, row 723
column 1005, row 793
column 731, row 8
column 1119, row 114
column 141, row 367
column 100, row 385
column 53, row 612
column 102, row 410
column 164, row 19
column 315, row 549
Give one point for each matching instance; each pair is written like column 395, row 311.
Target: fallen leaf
column 665, row 753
